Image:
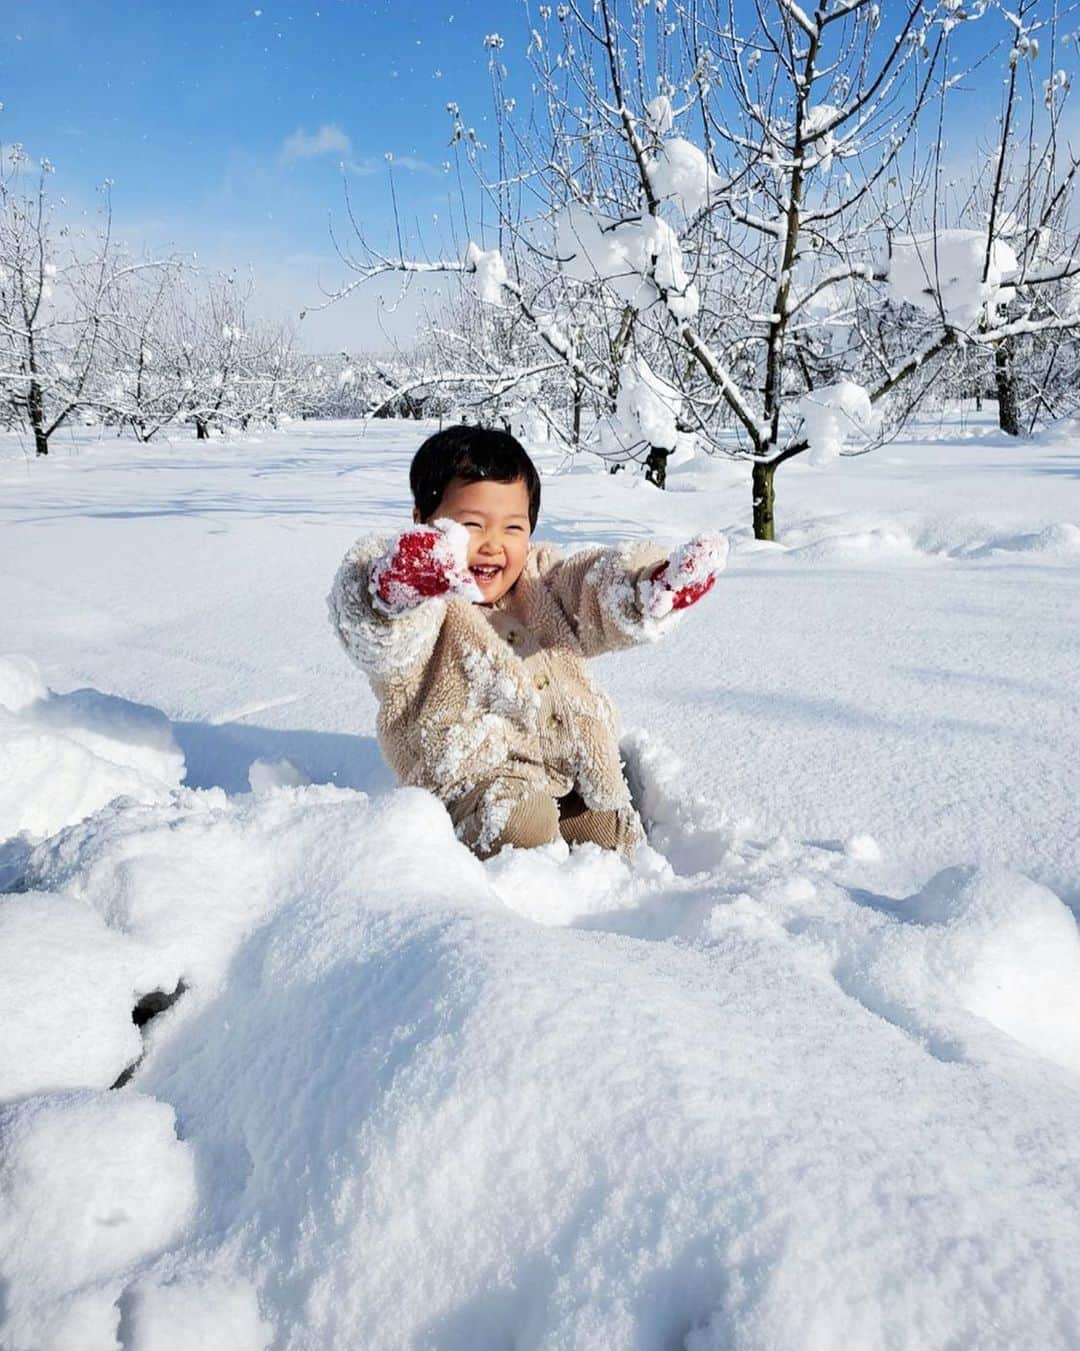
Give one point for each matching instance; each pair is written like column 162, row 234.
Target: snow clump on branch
column 817, row 120
column 637, row 258
column 647, row 407
column 659, row 115
column 490, row 272
column 681, row 172
column 944, row 276
column 833, row 414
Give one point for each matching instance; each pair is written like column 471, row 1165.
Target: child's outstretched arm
column 616, row 598
column 388, row 600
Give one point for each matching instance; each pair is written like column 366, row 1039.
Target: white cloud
column 418, row 166
column 372, row 164
column 368, row 165
column 328, row 140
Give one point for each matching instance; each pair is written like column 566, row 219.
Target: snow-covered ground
column 805, row 1073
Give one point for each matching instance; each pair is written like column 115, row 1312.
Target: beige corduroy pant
column 537, row 819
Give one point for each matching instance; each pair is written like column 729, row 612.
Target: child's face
column 496, row 516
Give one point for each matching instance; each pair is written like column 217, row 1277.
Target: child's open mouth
column 484, row 573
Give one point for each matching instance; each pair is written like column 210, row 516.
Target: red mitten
column 686, row 576
column 424, row 561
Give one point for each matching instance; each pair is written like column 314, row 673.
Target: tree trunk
column 656, row 466
column 764, row 499
column 202, row 430
column 1008, row 404
column 36, row 404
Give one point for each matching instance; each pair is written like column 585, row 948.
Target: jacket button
column 542, row 682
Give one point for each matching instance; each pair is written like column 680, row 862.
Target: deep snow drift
column 804, row 1073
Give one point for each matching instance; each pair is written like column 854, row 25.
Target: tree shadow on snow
column 1069, row 466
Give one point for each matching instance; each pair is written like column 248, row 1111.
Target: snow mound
column 975, row 954
column 266, row 775
column 62, row 756
column 691, row 832
column 146, row 869
column 1060, row 540
column 68, row 984
column 997, row 946
column 20, row 684
column 92, row 1182
column 439, row 1102
column 865, row 537
column 559, row 887
column 885, row 539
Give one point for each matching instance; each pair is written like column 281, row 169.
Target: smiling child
column 475, row 640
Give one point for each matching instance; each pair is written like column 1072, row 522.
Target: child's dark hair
column 470, row 454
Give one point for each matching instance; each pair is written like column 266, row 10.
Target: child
column 474, row 641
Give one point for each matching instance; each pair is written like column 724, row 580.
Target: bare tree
column 59, row 289
column 141, row 389
column 1025, row 194
column 725, row 229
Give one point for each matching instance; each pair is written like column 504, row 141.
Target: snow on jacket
column 500, row 696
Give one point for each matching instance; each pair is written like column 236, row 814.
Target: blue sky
column 223, row 126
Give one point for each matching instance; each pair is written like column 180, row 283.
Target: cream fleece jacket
column 500, row 696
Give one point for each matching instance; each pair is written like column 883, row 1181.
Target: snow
column 68, row 983
column 802, row 1072
column 943, row 275
column 92, row 1183
column 661, row 252
column 659, row 115
column 818, row 125
column 646, row 407
column 680, row 171
column 193, row 1314
column 833, row 415
column 490, row 271
column 996, row 946
column 634, row 257
column 64, row 756
column 20, row 684
column 265, row 775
